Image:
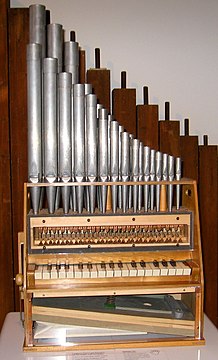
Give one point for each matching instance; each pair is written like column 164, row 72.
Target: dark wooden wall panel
column 189, row 145
column 18, row 39
column 208, row 205
column 100, row 80
column 6, row 253
column 124, row 108
column 169, row 137
column 147, row 125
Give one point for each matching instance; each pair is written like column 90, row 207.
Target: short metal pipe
column 71, row 60
column 55, row 43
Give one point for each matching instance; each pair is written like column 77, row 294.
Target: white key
column 132, row 270
column 78, row 271
column 62, row 272
column 179, row 268
column 172, row 269
column 155, row 270
column 141, row 269
column 163, row 269
column 101, row 270
column 70, row 272
column 109, row 271
column 38, row 272
column 46, row 272
column 86, row 271
column 117, row 271
column 148, row 270
column 186, row 269
column 124, row 270
column 54, row 272
column 93, row 271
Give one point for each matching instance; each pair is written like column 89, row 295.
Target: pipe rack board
column 6, row 248
column 208, row 199
column 18, row 38
column 124, row 106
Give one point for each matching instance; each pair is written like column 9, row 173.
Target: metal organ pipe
column 79, row 140
column 114, row 161
column 147, row 159
column 158, row 177
column 37, row 26
column 71, row 60
column 103, row 156
column 125, row 159
column 65, row 151
column 34, row 100
column 135, row 171
column 50, row 127
column 55, row 43
column 141, row 158
column 91, row 147
column 73, row 138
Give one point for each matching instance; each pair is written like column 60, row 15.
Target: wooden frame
column 188, row 288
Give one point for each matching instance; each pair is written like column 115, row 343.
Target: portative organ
column 111, row 233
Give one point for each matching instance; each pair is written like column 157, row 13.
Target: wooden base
column 119, row 345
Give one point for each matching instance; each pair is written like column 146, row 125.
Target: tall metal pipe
column 50, row 128
column 91, row 148
column 171, row 178
column 37, row 26
column 165, row 167
column 114, row 161
column 79, row 140
column 65, row 150
column 152, row 177
column 141, row 160
column 34, row 100
column 125, row 156
column 135, row 171
column 147, row 160
column 130, row 192
column 158, row 178
column 55, row 43
column 103, row 156
column 178, row 177
column 121, row 130
column 109, row 119
column 71, row 60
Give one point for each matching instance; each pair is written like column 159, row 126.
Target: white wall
column 169, row 45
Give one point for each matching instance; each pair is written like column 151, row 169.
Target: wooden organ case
column 112, row 249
